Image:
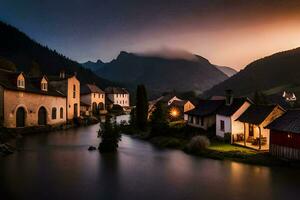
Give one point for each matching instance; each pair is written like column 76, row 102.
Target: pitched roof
column 90, row 88
column 288, row 122
column 9, row 81
column 116, row 90
column 206, row 107
column 178, row 103
column 229, row 110
column 256, row 114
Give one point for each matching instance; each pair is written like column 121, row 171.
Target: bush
column 227, row 138
column 198, row 143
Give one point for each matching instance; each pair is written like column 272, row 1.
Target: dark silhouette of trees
column 159, row 123
column 141, row 108
column 110, row 136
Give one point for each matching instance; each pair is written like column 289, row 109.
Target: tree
column 35, row 69
column 132, row 120
column 141, row 108
column 159, row 123
column 7, row 65
column 110, row 136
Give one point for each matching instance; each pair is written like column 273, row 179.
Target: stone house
column 26, row 102
column 118, row 96
column 93, row 96
column 69, row 86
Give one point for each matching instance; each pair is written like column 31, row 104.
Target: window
column 197, row 120
column 98, row 95
column 202, row 121
column 102, row 96
column 94, row 95
column 21, row 83
column 53, row 113
column 44, row 86
column 222, row 125
column 61, row 113
column 74, row 91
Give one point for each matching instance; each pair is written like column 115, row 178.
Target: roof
column 278, row 99
column 116, row 90
column 206, row 107
column 179, row 103
column 229, row 110
column 288, row 122
column 9, row 81
column 90, row 88
column 256, row 114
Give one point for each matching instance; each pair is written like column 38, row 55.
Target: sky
column 227, row 32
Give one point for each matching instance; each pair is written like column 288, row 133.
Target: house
column 289, row 96
column 85, row 109
column 204, row 114
column 176, row 106
column 285, row 135
column 118, row 96
column 227, row 115
column 26, row 102
column 69, row 86
column 92, row 95
column 255, row 119
column 179, row 107
column 286, row 100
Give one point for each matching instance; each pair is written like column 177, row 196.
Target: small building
column 178, row 107
column 118, row 96
column 255, row 119
column 285, row 135
column 204, row 114
column 227, row 115
column 85, row 109
column 26, row 102
column 69, row 86
column 92, row 95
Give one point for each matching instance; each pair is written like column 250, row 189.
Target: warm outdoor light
column 174, row 112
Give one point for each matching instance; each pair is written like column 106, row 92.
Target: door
column 42, row 116
column 251, row 133
column 20, row 117
column 75, row 110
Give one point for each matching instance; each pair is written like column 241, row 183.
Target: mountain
column 20, row 51
column 161, row 74
column 272, row 74
column 227, row 70
column 94, row 66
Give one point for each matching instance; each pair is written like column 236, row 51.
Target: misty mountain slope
column 18, row 48
column 227, row 70
column 163, row 74
column 279, row 69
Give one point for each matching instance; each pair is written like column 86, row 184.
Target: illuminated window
column 21, row 83
column 44, row 86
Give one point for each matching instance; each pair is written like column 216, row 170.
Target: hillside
column 280, row 70
column 28, row 55
column 227, row 70
column 163, row 74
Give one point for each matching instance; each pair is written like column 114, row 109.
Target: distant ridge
column 25, row 54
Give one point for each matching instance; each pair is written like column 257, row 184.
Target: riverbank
column 218, row 150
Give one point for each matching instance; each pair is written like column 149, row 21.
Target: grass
column 224, row 147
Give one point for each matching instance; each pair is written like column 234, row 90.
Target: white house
column 118, row 96
column 227, row 115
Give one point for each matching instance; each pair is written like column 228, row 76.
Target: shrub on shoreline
column 198, row 143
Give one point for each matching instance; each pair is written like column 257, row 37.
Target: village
column 56, row 102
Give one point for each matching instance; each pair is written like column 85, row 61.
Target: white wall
column 120, row 99
column 227, row 125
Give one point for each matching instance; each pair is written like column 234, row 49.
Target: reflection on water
column 58, row 166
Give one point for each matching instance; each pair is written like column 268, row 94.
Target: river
column 58, row 166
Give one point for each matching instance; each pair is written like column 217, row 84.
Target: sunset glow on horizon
column 228, row 33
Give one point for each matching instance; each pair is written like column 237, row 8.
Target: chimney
column 229, row 97
column 62, row 74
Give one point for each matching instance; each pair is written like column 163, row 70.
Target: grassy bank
column 179, row 138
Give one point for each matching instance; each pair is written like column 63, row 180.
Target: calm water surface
column 58, row 166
